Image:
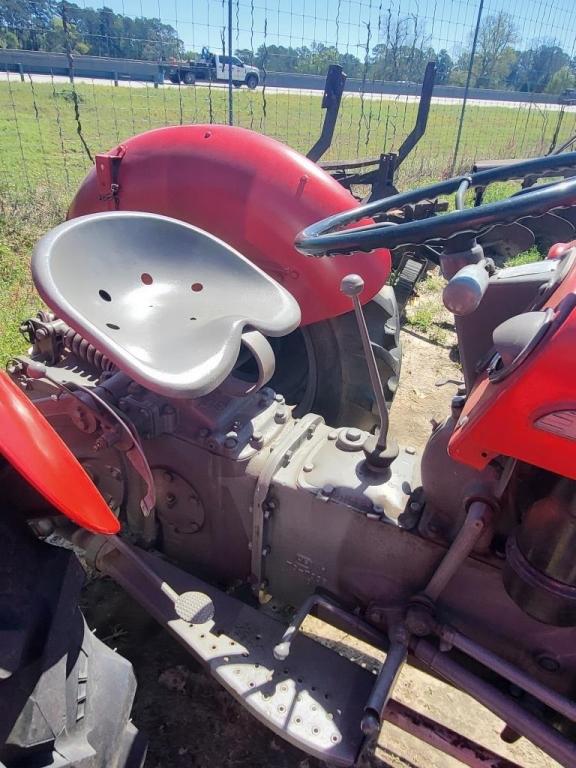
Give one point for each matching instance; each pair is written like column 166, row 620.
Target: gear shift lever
column 380, row 451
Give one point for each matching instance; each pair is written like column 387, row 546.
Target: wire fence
column 498, row 98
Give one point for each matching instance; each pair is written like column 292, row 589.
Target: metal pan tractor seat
column 166, row 301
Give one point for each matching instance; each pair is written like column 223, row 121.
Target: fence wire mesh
column 56, row 112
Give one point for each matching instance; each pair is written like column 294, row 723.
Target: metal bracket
column 303, row 430
column 107, row 172
column 335, row 82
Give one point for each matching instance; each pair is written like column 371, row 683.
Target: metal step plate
column 314, row 699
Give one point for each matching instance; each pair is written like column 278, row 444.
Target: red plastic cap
column 33, row 448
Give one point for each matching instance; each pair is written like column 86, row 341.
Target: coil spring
column 86, row 351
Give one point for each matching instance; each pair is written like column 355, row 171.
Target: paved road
column 404, row 99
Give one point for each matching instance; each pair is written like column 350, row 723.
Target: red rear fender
column 251, row 191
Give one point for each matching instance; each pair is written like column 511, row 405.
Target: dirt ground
column 192, row 722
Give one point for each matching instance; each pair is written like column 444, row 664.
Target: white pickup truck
column 212, row 66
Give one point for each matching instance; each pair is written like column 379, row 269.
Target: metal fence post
column 230, row 114
column 467, row 87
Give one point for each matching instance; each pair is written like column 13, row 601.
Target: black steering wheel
column 328, row 237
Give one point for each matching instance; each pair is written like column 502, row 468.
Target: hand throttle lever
column 465, row 290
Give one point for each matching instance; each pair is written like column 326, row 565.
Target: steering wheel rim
column 327, row 237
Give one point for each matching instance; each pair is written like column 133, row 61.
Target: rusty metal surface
column 445, row 739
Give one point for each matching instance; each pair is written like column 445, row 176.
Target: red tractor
column 228, row 398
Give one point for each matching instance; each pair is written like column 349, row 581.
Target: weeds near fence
column 23, row 220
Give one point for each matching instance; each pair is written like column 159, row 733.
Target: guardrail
column 101, row 67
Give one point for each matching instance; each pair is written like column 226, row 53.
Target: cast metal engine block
column 235, row 480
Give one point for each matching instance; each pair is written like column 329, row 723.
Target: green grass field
column 39, row 143
column 42, row 159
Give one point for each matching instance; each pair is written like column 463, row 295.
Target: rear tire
column 189, row 78
column 65, row 697
column 251, row 81
column 322, row 369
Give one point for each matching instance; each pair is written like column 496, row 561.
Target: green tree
column 561, row 80
column 8, row 39
column 404, row 50
column 535, row 67
column 444, row 66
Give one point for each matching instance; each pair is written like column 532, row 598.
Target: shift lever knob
column 352, row 285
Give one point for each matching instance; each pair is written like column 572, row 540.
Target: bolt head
column 353, row 435
column 257, row 439
column 308, row 467
column 231, row 440
column 327, row 490
column 410, row 450
column 281, row 415
column 332, row 435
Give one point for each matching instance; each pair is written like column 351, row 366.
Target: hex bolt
column 281, row 415
column 279, row 398
column 308, row 467
column 353, row 435
column 257, row 439
column 332, row 435
column 327, row 490
column 231, row 440
column 410, row 450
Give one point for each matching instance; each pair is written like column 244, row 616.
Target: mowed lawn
column 42, row 158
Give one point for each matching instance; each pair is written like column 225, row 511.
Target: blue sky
column 446, row 23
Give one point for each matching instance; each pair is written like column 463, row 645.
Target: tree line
column 401, row 53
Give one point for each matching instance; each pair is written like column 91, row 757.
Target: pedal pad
column 410, row 271
column 314, row 699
